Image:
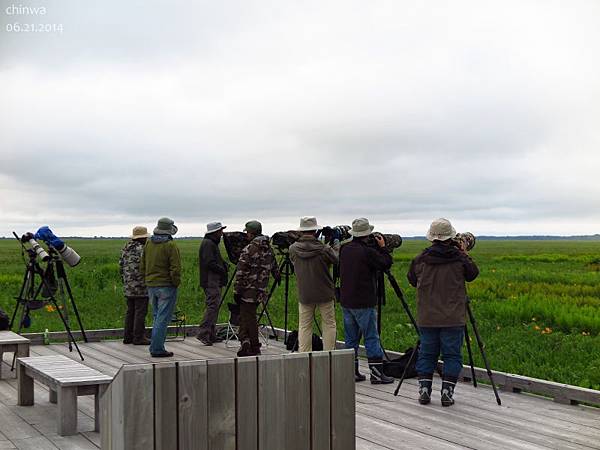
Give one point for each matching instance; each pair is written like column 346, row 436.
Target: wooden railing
column 295, row 401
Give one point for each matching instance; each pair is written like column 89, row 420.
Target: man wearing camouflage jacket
column 256, row 263
column 134, row 288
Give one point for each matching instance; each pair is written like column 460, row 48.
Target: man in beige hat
column 439, row 273
column 134, row 288
column 312, row 261
column 359, row 263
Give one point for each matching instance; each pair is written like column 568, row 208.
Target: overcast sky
column 487, row 113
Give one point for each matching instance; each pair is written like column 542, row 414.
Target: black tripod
column 469, row 351
column 285, row 269
column 28, row 298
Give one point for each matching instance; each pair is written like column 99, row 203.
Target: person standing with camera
column 256, row 263
column 359, row 264
column 439, row 273
column 312, row 260
column 161, row 266
column 134, row 288
column 213, row 276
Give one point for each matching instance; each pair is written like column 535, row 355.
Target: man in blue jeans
column 161, row 266
column 359, row 264
column 439, row 274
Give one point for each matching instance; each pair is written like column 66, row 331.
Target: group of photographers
column 439, row 274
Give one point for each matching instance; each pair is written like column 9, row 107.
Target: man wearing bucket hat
column 161, row 265
column 312, row 260
column 439, row 274
column 256, row 263
column 359, row 264
column 134, row 288
column 213, row 276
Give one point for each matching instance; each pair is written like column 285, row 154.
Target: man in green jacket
column 161, row 266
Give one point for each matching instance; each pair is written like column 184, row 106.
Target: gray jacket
column 312, row 260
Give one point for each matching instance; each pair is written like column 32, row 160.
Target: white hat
column 361, row 227
column 214, row 226
column 308, row 224
column 441, row 230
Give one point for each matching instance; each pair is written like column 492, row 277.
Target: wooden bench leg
column 67, row 410
column 52, row 396
column 22, row 350
column 101, row 389
column 25, row 387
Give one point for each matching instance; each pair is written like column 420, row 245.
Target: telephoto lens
column 37, row 248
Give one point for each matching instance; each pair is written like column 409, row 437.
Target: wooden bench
column 66, row 379
column 14, row 343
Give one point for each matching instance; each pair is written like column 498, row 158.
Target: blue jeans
column 449, row 341
column 163, row 302
column 362, row 321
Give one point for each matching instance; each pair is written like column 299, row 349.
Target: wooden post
column 193, row 396
column 320, row 400
column 25, row 384
column 221, row 403
column 52, row 395
column 67, row 410
column 343, row 421
column 165, row 406
column 247, row 404
column 100, row 389
column 297, row 401
column 271, row 403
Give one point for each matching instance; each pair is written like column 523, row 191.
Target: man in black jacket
column 213, row 276
column 359, row 264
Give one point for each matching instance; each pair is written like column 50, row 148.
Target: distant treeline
column 593, row 237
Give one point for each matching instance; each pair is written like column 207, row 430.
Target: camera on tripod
column 39, row 251
column 391, row 241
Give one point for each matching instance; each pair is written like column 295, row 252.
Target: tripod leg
column 288, row 266
column 470, row 356
column 62, row 275
column 67, row 329
column 482, row 350
column 270, row 322
column 408, row 364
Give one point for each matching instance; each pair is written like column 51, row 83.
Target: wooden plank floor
column 382, row 420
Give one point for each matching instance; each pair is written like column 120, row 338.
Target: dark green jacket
column 161, row 262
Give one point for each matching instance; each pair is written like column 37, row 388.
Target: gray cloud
column 400, row 112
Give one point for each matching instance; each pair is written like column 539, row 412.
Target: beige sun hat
column 139, row 233
column 214, row 226
column 361, row 227
column 441, row 230
column 309, row 224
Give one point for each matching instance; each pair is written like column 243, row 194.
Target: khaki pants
column 307, row 314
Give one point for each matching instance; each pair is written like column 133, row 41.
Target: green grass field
column 537, row 303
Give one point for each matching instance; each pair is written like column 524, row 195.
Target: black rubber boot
column 377, row 375
column 425, row 385
column 357, row 375
column 448, row 392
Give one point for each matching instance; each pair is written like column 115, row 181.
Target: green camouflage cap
column 254, row 226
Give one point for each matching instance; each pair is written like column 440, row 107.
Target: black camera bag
column 292, row 342
column 395, row 367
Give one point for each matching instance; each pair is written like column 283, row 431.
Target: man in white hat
column 134, row 288
column 312, row 261
column 439, row 274
column 359, row 264
column 213, row 276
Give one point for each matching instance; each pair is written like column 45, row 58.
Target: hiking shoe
column 205, row 341
column 358, row 377
column 245, row 349
column 162, row 355
column 425, row 385
column 377, row 375
column 448, row 393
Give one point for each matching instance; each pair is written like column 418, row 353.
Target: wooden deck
column 382, row 420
